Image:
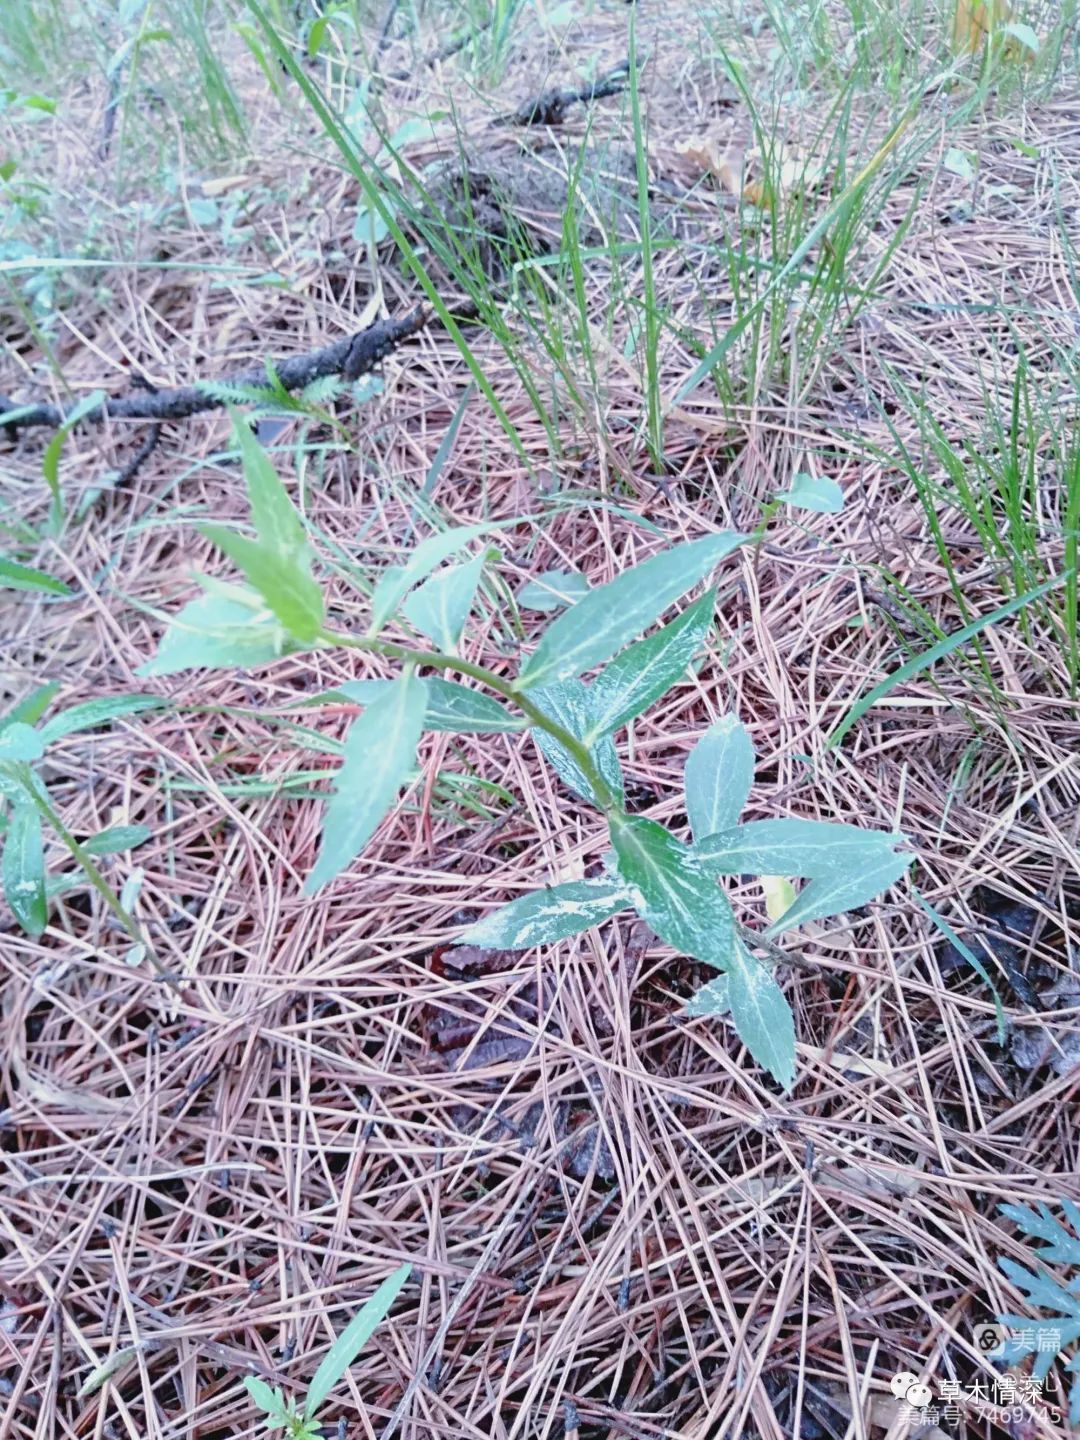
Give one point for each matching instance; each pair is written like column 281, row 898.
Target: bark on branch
column 550, row 108
column 352, row 357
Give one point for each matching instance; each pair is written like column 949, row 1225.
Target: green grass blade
column 377, row 203
column 835, row 211
column 969, row 955
column 918, row 663
column 50, row 464
column 446, row 444
column 653, row 409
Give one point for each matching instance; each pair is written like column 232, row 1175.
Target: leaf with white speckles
column 24, row 867
column 762, row 1016
column 718, row 775
column 544, row 916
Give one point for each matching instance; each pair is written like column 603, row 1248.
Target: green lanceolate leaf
column 352, row 1340
column 458, row 709
column 834, row 893
column 214, row 631
column 359, row 692
column 19, row 741
column 380, row 750
column 440, row 607
column 24, row 867
column 569, row 704
column 642, row 673
column 553, row 590
column 712, row 999
column 814, row 492
column 608, row 618
column 681, row 903
column 685, row 908
column 397, row 580
column 14, row 576
column 282, row 578
column 762, row 1016
column 273, row 514
column 450, row 706
column 810, row 848
column 92, row 713
column 719, row 773
column 278, row 562
column 31, row 707
column 554, row 913
column 116, row 839
column 50, row 462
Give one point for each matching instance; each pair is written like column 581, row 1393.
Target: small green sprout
column 303, row 1423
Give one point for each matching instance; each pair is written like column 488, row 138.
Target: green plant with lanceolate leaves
column 28, row 813
column 301, row 1422
column 670, row 882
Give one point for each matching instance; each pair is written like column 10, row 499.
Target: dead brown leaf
column 792, row 174
column 709, row 157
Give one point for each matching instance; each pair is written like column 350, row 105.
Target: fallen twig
column 149, row 444
column 384, row 36
column 447, row 51
column 352, row 357
column 550, row 107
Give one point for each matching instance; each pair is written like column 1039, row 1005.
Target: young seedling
column 28, row 808
column 302, row 1422
column 669, row 882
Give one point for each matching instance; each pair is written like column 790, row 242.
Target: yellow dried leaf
column 797, row 174
column 222, row 185
column 779, row 895
column 793, row 174
column 974, row 21
column 756, row 192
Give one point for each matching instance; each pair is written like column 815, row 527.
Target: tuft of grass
column 1015, row 484
column 650, row 331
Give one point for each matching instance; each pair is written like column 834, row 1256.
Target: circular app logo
column 902, row 1383
column 988, row 1339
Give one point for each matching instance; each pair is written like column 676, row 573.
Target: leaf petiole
column 606, row 798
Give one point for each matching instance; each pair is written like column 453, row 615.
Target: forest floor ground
column 861, row 236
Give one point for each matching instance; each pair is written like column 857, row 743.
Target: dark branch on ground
column 149, row 444
column 352, row 357
column 551, row 107
column 384, row 36
column 451, row 48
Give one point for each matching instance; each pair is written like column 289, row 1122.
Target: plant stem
column 97, row 880
column 434, row 659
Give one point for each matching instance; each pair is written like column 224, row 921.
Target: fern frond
column 1059, row 1294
